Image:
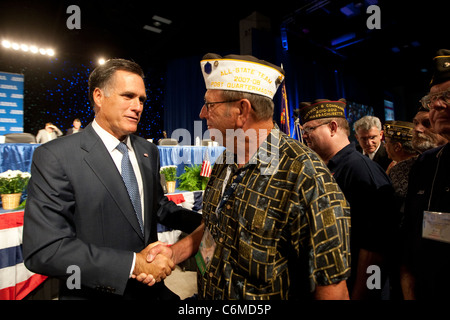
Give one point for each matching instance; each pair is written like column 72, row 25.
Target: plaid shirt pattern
column 279, row 234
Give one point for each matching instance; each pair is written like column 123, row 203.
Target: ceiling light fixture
column 161, row 19
column 157, row 22
column 7, row 44
column 152, row 29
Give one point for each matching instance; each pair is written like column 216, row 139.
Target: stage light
column 6, row 44
column 101, row 61
column 34, row 49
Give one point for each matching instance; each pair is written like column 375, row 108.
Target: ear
column 98, row 96
column 244, row 110
column 333, row 127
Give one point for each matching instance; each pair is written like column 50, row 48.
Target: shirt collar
column 371, row 155
column 108, row 139
column 268, row 154
column 341, row 154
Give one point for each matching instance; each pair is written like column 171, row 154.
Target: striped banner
column 16, row 281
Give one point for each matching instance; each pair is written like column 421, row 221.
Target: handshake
column 154, row 263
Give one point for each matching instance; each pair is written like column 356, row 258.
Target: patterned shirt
column 283, row 231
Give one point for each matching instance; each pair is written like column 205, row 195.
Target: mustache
column 422, row 136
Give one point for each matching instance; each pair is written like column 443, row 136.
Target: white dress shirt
column 111, row 143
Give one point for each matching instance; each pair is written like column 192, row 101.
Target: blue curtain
column 184, row 96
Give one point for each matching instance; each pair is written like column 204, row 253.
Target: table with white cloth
column 182, row 156
column 16, row 156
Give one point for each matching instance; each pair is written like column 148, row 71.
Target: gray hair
column 366, row 123
column 262, row 105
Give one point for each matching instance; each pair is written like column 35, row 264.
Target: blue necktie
column 129, row 178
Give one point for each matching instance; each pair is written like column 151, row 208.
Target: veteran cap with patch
column 399, row 130
column 441, row 67
column 241, row 73
column 322, row 108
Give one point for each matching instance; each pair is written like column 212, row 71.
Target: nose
column 419, row 128
column 437, row 104
column 137, row 105
column 203, row 112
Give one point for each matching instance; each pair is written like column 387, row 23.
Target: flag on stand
column 16, row 281
column 285, row 123
column 206, row 166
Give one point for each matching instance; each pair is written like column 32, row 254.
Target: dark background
column 392, row 63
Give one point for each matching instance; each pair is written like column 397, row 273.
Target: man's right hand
column 152, row 272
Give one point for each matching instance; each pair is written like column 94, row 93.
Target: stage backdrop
column 11, row 103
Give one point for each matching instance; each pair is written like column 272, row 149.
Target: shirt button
column 228, row 206
column 210, row 274
column 220, row 239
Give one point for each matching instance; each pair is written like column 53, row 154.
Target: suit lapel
column 101, row 163
column 147, row 171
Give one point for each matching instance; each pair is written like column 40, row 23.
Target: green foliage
column 13, row 181
column 191, row 180
column 170, row 172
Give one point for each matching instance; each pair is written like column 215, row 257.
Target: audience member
column 427, row 211
column 50, row 132
column 81, row 212
column 369, row 133
column 276, row 224
column 365, row 185
column 424, row 137
column 76, row 127
column 398, row 143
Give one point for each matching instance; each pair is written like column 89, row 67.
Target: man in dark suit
column 369, row 133
column 79, row 212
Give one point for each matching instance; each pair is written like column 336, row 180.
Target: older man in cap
column 276, row 225
column 365, row 185
column 398, row 143
column 427, row 211
column 424, row 137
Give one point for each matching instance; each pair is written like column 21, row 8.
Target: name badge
column 436, row 226
column 205, row 251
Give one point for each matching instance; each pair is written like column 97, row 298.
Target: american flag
column 284, row 118
column 16, row 281
column 206, row 166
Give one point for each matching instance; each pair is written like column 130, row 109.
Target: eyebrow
column 131, row 93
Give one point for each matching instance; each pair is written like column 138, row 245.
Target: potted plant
column 191, row 180
column 12, row 184
column 170, row 174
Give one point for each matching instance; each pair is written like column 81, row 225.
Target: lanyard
column 229, row 192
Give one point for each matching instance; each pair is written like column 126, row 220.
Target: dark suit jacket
column 381, row 157
column 78, row 213
column 70, row 131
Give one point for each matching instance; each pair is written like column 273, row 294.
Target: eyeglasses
column 308, row 130
column 208, row 105
column 428, row 100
